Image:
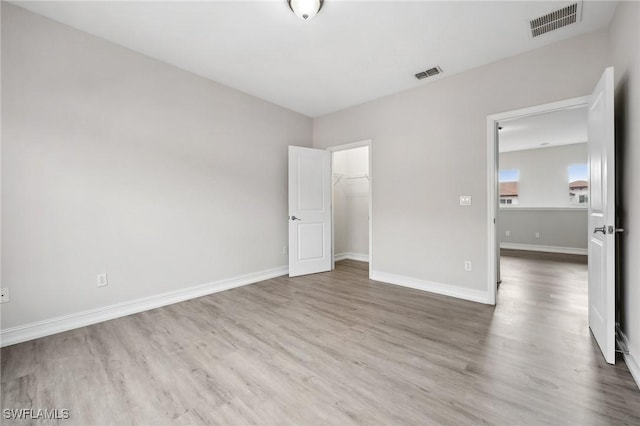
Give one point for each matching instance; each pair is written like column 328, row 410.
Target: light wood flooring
column 336, row 349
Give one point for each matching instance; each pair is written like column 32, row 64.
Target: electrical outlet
column 537, row 235
column 285, row 250
column 4, row 295
column 507, row 233
column 467, row 265
column 102, row 279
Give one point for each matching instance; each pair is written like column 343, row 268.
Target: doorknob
column 601, row 229
column 294, row 218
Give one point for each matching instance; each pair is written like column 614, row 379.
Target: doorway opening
column 601, row 214
column 603, row 225
column 542, row 213
column 519, row 205
column 541, row 205
column 351, row 202
column 543, row 183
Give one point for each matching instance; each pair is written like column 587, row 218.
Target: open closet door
column 602, row 216
column 309, row 211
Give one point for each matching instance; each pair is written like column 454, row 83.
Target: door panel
column 602, row 216
column 309, row 211
column 310, row 241
column 310, row 187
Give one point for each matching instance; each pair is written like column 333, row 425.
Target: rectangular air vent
column 556, row 19
column 428, row 73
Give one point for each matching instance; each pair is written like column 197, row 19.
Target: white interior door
column 309, row 211
column 602, row 216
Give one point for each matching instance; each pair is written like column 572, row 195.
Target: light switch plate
column 465, row 200
column 102, row 279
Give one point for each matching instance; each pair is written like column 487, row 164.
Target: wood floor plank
column 337, row 348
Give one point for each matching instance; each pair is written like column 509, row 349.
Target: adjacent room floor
column 336, row 348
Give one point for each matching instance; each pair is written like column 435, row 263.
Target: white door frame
column 346, row 147
column 492, row 173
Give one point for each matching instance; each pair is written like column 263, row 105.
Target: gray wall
column 625, row 48
column 544, row 185
column 112, row 161
column 544, row 173
column 558, row 228
column 429, row 146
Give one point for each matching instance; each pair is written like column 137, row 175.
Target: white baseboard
column 432, row 287
column 630, row 358
column 352, row 256
column 547, row 249
column 55, row 325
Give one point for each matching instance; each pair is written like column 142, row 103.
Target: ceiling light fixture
column 305, row 9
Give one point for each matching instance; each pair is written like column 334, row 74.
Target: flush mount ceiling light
column 305, row 9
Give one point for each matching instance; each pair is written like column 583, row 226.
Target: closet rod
column 359, row 177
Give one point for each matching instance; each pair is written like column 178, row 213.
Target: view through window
column 579, row 184
column 508, row 180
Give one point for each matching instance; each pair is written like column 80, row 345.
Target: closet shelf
column 365, row 176
column 339, row 176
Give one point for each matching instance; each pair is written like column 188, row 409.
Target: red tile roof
column 508, row 189
column 578, row 184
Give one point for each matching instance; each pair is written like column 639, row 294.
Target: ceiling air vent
column 429, row 73
column 556, row 19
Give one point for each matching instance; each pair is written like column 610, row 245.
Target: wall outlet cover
column 4, row 295
column 465, row 200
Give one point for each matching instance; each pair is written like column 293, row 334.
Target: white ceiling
column 350, row 53
column 562, row 127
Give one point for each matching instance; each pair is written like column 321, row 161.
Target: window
column 509, row 175
column 508, row 179
column 579, row 184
